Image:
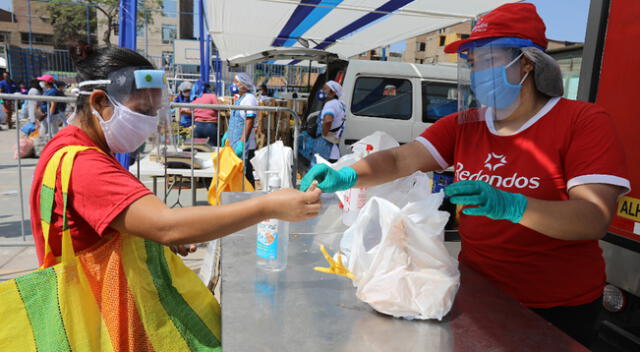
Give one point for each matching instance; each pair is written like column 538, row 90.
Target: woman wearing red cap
column 537, row 176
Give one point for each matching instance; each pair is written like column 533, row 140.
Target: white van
column 399, row 98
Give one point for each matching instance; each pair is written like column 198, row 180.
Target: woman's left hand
column 488, row 201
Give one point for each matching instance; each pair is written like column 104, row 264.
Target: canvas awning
column 242, row 28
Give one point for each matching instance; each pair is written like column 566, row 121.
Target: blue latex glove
column 239, row 149
column 224, row 139
column 489, row 201
column 329, row 180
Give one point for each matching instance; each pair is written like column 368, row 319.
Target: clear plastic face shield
column 140, row 99
column 144, row 91
column 490, row 80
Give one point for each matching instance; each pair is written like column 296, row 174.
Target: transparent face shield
column 489, row 82
column 141, row 90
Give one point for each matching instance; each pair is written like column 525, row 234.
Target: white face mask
column 42, row 85
column 127, row 129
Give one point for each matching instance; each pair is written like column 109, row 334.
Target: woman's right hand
column 292, row 205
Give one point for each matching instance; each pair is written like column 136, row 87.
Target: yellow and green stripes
column 192, row 328
column 145, row 260
column 36, row 291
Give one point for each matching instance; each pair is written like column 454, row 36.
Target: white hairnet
column 185, row 86
column 335, row 87
column 246, row 81
column 547, row 74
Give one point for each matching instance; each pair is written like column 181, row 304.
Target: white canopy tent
column 242, row 28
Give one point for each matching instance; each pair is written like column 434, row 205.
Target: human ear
column 99, row 101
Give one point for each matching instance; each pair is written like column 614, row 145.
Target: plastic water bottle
column 272, row 242
column 354, row 198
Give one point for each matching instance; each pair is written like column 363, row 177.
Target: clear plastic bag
column 399, row 260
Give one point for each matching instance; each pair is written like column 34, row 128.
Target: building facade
column 429, row 47
column 14, row 26
column 158, row 28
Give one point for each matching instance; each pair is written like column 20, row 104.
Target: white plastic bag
column 280, row 160
column 398, row 256
column 400, row 192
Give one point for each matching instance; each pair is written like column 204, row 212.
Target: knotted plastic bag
column 399, row 260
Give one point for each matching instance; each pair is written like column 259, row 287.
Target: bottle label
column 267, row 242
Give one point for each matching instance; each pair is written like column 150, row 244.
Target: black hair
column 99, row 63
column 34, row 83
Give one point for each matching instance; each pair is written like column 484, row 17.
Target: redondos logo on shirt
column 493, row 162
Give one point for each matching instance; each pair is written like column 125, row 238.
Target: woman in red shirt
column 116, row 111
column 206, row 119
column 537, row 175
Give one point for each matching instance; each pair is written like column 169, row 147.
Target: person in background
column 54, row 117
column 32, row 106
column 241, row 133
column 389, row 90
column 7, row 86
column 264, row 93
column 184, row 96
column 22, row 87
column 62, row 107
column 330, row 122
column 537, row 176
column 206, row 119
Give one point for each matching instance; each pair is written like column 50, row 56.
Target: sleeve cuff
column 600, row 178
column 434, row 152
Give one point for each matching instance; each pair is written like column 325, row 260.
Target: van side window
column 438, row 100
column 389, row 98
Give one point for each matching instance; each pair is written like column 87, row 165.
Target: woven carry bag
column 123, row 294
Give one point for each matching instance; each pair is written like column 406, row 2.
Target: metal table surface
column 300, row 309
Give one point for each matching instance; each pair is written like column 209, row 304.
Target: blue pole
column 218, row 69
column 207, row 56
column 127, row 39
column 204, row 68
column 128, row 12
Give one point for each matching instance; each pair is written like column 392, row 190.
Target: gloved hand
column 224, row 139
column 491, row 202
column 239, row 149
column 329, row 180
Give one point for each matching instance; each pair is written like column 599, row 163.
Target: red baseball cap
column 519, row 20
column 46, row 78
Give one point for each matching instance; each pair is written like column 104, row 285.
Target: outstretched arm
column 150, row 218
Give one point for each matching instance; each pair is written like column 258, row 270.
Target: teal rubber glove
column 329, row 180
column 489, row 201
column 225, row 136
column 239, row 149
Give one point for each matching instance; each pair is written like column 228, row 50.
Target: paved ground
column 18, row 257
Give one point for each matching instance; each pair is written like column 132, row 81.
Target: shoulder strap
column 66, row 157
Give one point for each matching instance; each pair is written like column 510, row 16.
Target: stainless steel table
column 300, row 309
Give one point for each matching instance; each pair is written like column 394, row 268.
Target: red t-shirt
column 567, row 143
column 206, row 115
column 99, row 190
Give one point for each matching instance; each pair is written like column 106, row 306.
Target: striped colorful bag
column 123, row 294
